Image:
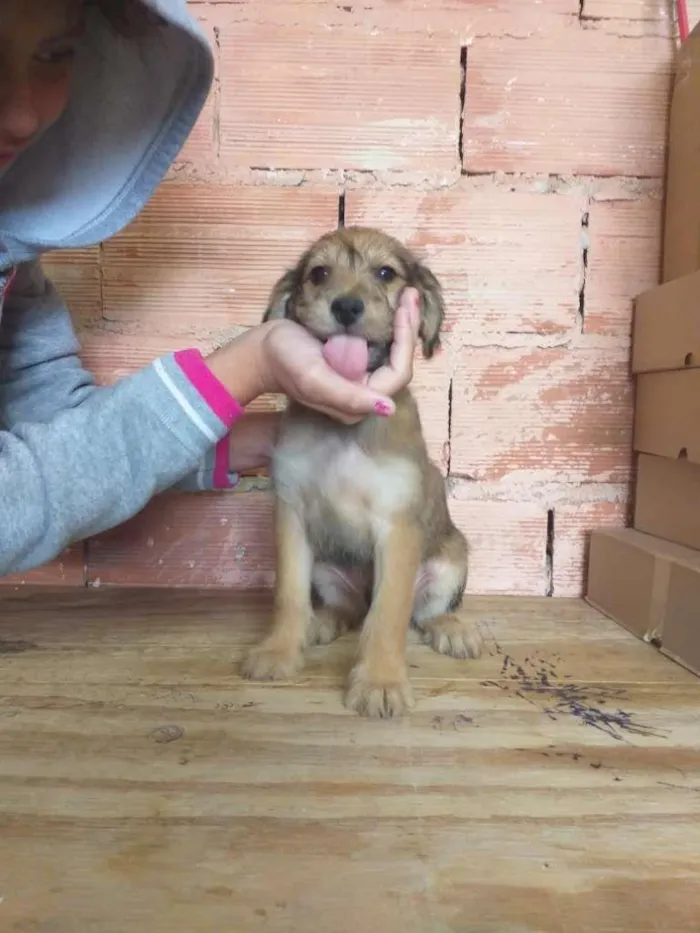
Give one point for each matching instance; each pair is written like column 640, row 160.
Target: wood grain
column 552, row 787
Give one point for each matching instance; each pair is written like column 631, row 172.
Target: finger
column 327, row 391
column 406, row 328
column 251, row 441
column 339, row 416
column 410, row 299
column 390, row 379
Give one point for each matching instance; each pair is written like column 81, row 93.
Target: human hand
column 283, row 357
column 251, row 441
column 300, row 369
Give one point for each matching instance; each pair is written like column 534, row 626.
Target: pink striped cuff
column 217, row 397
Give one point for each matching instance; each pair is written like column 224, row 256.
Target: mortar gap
column 450, row 391
column 581, row 9
column 341, row 210
column 584, row 276
column 462, row 102
column 549, row 553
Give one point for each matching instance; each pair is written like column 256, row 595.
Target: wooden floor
column 552, row 787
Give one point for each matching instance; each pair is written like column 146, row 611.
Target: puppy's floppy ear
column 278, row 302
column 432, row 308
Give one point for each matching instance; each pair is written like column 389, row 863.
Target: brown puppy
column 363, row 530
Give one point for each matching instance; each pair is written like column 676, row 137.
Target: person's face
column 38, row 42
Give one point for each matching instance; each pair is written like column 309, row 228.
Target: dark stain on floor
column 537, row 681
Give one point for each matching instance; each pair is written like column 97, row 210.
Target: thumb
column 408, row 312
column 332, row 392
column 406, row 328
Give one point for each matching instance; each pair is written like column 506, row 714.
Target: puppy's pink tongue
column 348, row 356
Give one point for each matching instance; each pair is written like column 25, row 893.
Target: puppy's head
column 350, row 282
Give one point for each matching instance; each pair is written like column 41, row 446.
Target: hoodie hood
column 132, row 105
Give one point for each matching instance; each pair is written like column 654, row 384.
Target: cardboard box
column 681, row 254
column 646, row 583
column 667, row 325
column 651, row 587
column 667, row 502
column 667, row 415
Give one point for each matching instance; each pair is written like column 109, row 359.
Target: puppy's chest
column 330, row 478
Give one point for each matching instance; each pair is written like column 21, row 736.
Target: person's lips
column 7, row 155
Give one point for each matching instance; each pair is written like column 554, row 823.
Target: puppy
column 363, row 530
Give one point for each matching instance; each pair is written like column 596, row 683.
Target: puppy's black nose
column 346, row 309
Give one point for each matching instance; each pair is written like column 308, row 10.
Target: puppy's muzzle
column 347, row 310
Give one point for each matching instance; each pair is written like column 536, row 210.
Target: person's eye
column 56, row 54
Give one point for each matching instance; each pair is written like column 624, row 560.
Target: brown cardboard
column 667, row 324
column 621, row 580
column 681, row 630
column 646, row 578
column 667, row 415
column 667, row 501
column 681, row 254
column 651, row 587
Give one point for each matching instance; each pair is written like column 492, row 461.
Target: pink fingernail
column 383, row 409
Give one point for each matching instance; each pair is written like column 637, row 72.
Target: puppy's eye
column 319, row 274
column 386, row 274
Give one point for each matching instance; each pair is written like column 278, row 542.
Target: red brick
column 572, row 527
column 465, row 20
column 226, row 541
column 220, row 539
column 336, row 97
column 431, row 387
column 202, row 258
column 542, row 415
column 572, row 100
column 507, row 544
column 509, row 261
column 656, row 11
column 111, row 356
column 623, row 261
column 66, row 570
column 76, row 274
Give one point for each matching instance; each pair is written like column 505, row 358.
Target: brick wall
column 519, row 146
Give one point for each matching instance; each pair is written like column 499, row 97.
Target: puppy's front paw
column 269, row 661
column 453, row 636
column 378, row 698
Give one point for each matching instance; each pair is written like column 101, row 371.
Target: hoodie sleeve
column 91, row 457
column 42, row 375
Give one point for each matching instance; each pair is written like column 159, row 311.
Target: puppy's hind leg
column 438, row 595
column 340, row 602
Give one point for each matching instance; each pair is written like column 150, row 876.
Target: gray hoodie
column 75, row 458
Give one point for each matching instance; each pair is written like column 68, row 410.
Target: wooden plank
column 552, row 787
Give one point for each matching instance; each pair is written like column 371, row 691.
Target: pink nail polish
column 382, row 409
